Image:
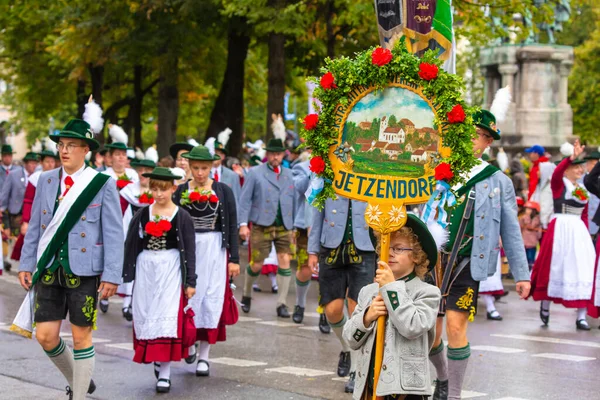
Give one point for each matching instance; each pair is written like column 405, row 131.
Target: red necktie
column 216, row 176
column 276, row 170
column 68, row 185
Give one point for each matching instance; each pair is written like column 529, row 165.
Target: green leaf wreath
column 378, row 67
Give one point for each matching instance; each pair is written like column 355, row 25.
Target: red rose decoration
column 457, row 115
column 381, row 56
column 121, row 183
column 164, row 225
column 152, row 229
column 428, row 71
column 194, row 196
column 311, row 121
column 146, row 199
column 328, row 81
column 203, row 198
column 317, row 165
column 443, row 172
column 213, row 198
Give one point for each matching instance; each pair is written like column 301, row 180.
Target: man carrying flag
column 73, row 253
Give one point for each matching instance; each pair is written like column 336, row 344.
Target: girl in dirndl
column 563, row 272
column 161, row 262
column 212, row 207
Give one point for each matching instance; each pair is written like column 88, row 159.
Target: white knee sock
column 273, row 278
column 338, row 328
column 203, row 350
column 489, row 302
column 164, row 373
column 301, row 292
column 62, row 357
column 581, row 313
column 126, row 301
column 546, row 307
column 84, row 361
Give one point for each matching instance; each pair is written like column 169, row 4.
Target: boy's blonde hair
column 418, row 254
column 160, row 184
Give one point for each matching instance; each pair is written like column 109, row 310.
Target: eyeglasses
column 485, row 135
column 399, row 250
column 69, row 147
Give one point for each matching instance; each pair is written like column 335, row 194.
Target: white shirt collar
column 74, row 175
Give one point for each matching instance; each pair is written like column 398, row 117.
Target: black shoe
column 274, row 289
column 344, row 364
column 104, row 306
column 582, row 325
column 7, row 266
column 298, row 316
column 127, row 314
column 349, row 388
column 156, row 369
column 441, row 390
column 69, row 392
column 203, row 373
column 544, row 318
column 494, row 316
column 163, row 389
column 256, row 289
column 192, row 358
column 323, row 325
column 499, row 296
column 92, row 387
column 246, row 304
column 282, row 311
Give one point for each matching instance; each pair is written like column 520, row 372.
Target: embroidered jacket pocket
column 413, row 370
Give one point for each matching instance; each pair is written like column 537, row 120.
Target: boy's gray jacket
column 95, row 242
column 13, row 191
column 329, row 226
column 263, row 192
column 409, row 334
column 232, row 180
column 495, row 216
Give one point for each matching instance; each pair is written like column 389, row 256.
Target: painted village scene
column 390, row 132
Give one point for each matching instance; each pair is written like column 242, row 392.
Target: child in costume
column 161, row 259
column 531, row 229
column 411, row 307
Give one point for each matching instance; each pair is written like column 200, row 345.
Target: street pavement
column 270, row 358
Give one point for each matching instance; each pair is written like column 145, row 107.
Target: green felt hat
column 275, row 145
column 219, row 146
column 48, row 153
column 177, row 147
column 31, row 156
column 255, row 160
column 426, row 239
column 7, row 149
column 117, row 146
column 162, row 174
column 594, row 155
column 143, row 163
column 77, row 129
column 200, row 153
column 486, row 120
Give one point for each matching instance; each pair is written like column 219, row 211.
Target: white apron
column 211, row 268
column 493, row 283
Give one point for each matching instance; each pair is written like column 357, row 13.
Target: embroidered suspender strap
column 451, row 273
column 71, row 218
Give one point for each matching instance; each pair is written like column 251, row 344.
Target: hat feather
column 37, row 147
column 117, row 134
column 93, row 115
column 50, row 145
column 177, row 171
column 256, row 145
column 223, row 136
column 151, row 154
column 210, row 145
column 139, row 154
column 502, row 159
column 278, row 128
column 130, row 153
column 566, row 149
column 440, row 235
column 88, row 156
column 193, row 142
column 501, row 103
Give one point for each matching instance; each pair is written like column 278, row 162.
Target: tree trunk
column 276, row 78
column 82, row 97
column 330, row 34
column 168, row 104
column 135, row 110
column 228, row 111
column 97, row 75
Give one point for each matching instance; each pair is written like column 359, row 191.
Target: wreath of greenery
column 378, row 67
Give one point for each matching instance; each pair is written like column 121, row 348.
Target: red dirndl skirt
column 540, row 275
column 162, row 349
column 594, row 311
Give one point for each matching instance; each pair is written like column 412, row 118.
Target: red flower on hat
column 443, row 172
column 194, row 196
column 311, row 121
column 328, row 81
column 381, row 56
column 457, row 115
column 428, row 71
column 317, row 165
column 213, row 198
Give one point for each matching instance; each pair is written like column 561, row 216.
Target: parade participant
column 119, row 171
column 269, row 269
column 74, row 245
column 411, row 306
column 99, row 157
column 564, row 270
column 107, row 160
column 340, row 243
column 494, row 216
column 220, row 173
column 212, row 207
column 48, row 161
column 518, row 178
column 7, row 166
column 536, row 156
column 161, row 264
column 489, row 289
column 13, row 192
column 176, row 150
column 591, row 161
column 531, row 230
column 592, row 183
column 135, row 196
column 267, row 200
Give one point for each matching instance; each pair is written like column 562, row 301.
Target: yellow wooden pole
column 384, row 255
